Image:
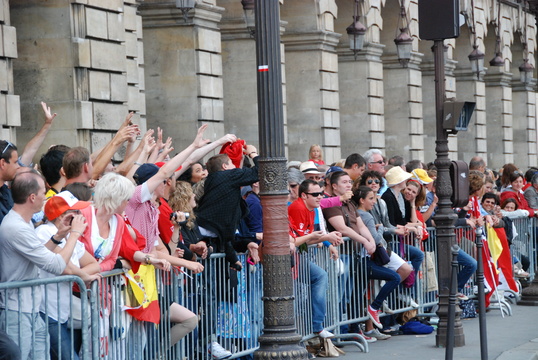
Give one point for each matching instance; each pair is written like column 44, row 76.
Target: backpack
column 415, row 327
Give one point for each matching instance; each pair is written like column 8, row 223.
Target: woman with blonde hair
column 187, row 236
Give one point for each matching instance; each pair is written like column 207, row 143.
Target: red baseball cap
column 60, row 203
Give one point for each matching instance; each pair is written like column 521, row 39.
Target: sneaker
column 386, row 308
column 520, row 273
column 217, row 352
column 368, row 339
column 324, row 334
column 377, row 335
column 461, row 297
column 408, row 300
column 374, row 316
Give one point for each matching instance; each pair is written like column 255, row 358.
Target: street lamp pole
column 444, row 217
column 280, row 339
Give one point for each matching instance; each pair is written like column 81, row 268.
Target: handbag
column 381, row 256
column 328, row 349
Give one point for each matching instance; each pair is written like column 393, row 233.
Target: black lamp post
column 356, row 31
column 185, row 6
column 476, row 57
column 525, row 72
column 404, row 42
column 280, row 339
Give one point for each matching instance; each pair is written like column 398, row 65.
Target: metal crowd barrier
column 228, row 303
column 75, row 334
column 524, row 243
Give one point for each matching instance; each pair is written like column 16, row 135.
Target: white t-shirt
column 102, row 247
column 62, row 292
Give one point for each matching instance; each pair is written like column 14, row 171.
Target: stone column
column 83, row 59
column 499, row 115
column 473, row 142
column 10, row 116
column 362, row 113
column 239, row 73
column 524, row 124
column 183, row 65
column 312, row 89
column 403, row 108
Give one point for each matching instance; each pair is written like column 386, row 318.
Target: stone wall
column 93, row 61
column 10, row 117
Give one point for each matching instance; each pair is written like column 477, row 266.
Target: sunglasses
column 293, row 186
column 315, row 194
column 380, row 162
column 370, row 182
column 7, row 147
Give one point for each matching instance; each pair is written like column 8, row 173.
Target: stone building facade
column 93, row 61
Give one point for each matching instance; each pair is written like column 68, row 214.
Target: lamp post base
column 442, row 313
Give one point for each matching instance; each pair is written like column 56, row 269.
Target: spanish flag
column 144, row 289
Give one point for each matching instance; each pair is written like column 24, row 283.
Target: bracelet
column 55, row 241
column 147, row 259
column 137, row 163
column 76, row 231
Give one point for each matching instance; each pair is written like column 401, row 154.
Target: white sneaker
column 218, row 352
column 408, row 300
column 377, row 335
column 386, row 308
column 324, row 334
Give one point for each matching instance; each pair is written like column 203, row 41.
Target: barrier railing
column 524, row 243
column 44, row 317
column 228, row 303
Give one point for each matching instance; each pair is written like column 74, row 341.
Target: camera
column 173, row 216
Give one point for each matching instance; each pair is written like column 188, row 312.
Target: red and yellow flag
column 144, row 288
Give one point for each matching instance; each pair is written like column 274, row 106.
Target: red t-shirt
column 166, row 228
column 300, row 218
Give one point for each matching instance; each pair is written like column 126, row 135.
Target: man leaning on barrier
column 301, row 218
column 21, row 255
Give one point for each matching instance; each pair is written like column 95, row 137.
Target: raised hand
column 199, row 140
column 48, row 116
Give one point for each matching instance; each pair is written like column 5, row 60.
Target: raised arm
column 204, row 150
column 339, row 224
column 33, row 145
column 169, row 168
column 126, row 131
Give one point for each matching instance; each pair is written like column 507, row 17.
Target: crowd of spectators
column 76, row 213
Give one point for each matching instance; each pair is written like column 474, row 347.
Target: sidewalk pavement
column 510, row 338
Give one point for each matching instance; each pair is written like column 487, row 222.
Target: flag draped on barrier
column 500, row 251
column 144, row 289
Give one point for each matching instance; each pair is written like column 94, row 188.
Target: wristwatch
column 147, row 258
column 55, row 241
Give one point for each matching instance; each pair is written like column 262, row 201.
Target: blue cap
column 333, row 169
column 145, row 172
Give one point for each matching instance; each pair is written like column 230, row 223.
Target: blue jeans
column 392, row 280
column 467, row 268
column 31, row 325
column 318, row 291
column 61, row 341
